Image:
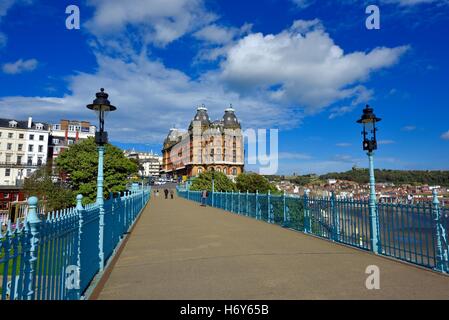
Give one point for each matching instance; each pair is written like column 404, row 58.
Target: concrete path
column 179, row 250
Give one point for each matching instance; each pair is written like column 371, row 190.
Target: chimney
column 30, row 122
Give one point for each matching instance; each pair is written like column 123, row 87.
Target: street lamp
column 369, row 120
column 101, row 106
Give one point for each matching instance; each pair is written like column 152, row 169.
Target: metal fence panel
column 413, row 233
column 56, row 256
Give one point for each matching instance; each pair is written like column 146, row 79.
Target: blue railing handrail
column 56, row 256
column 416, row 233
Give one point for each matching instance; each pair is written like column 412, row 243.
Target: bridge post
column 34, row 223
column 80, row 211
column 232, row 201
column 247, row 202
column 238, row 202
column 284, row 209
column 307, row 218
column 374, row 218
column 441, row 254
column 257, row 204
column 100, row 203
column 335, row 219
column 269, row 206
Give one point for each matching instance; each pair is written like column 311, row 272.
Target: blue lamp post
column 369, row 121
column 101, row 106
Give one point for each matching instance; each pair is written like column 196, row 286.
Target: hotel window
column 31, row 136
column 8, row 158
column 56, row 127
column 41, row 138
column 39, row 126
column 39, row 161
column 20, row 147
column 71, row 128
column 70, row 142
column 40, row 149
column 30, row 148
column 29, row 161
column 13, row 124
column 10, row 135
column 7, row 172
column 28, row 172
column 19, row 159
column 234, row 156
column 234, row 171
column 21, row 135
column 55, row 141
column 9, row 146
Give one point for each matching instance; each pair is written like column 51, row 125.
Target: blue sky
column 306, row 68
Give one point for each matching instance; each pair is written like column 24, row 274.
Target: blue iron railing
column 413, row 233
column 55, row 256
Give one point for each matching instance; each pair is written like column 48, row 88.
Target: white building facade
column 23, row 149
column 150, row 163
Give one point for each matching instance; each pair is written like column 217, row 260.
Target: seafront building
column 205, row 145
column 150, row 163
column 23, row 148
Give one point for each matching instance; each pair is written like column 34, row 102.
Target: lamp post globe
column 369, row 120
column 101, row 105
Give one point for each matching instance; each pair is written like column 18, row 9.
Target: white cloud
column 343, row 144
column 302, row 66
column 150, row 99
column 218, row 40
column 293, row 156
column 156, row 21
column 445, row 135
column 408, row 128
column 385, row 142
column 303, row 3
column 216, row 34
column 20, row 66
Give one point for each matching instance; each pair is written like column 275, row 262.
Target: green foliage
column 414, row 177
column 221, row 182
column 80, row 162
column 56, row 195
column 253, row 182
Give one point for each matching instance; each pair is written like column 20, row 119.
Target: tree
column 253, row 182
column 55, row 195
column 221, row 182
column 80, row 162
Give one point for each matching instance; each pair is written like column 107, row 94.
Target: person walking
column 203, row 198
column 166, row 193
column 157, row 193
column 171, row 193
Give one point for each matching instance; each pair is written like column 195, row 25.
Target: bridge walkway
column 179, row 250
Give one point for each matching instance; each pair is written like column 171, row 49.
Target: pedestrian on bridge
column 166, row 193
column 204, row 195
column 171, row 193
